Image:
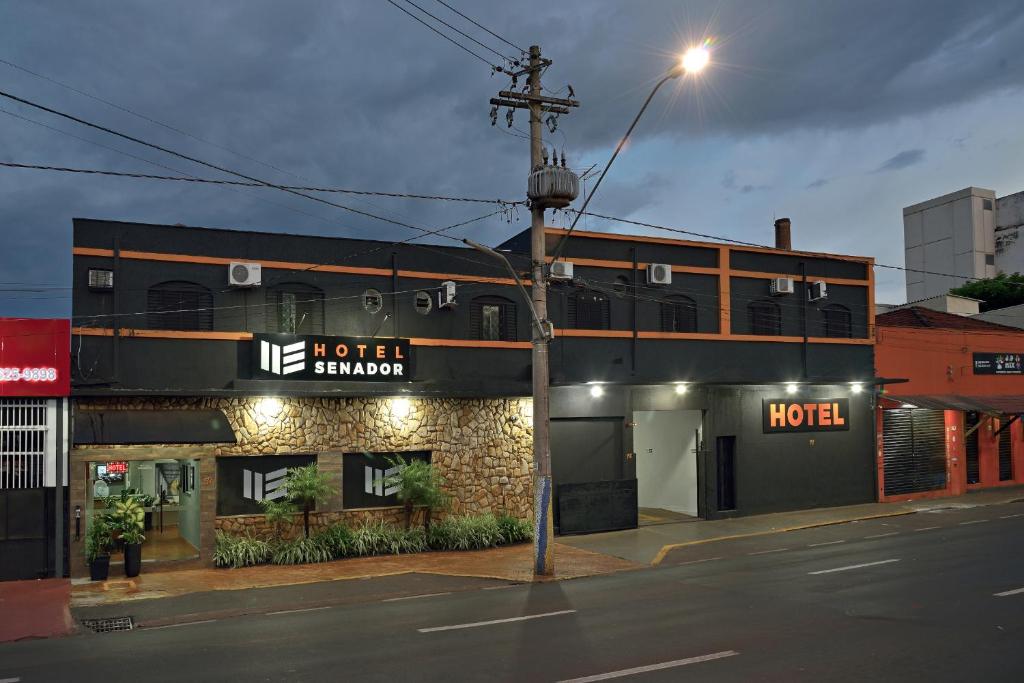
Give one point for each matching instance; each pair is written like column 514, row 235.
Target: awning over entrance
column 991, row 405
column 124, row 427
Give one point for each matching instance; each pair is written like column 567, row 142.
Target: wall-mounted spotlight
column 596, row 390
column 269, row 408
column 856, row 387
column 681, row 388
column 399, row 408
column 791, row 388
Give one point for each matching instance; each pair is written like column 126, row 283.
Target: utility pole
column 543, row 527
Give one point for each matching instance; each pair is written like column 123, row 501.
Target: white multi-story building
column 961, row 235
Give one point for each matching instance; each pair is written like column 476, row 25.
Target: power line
column 494, row 67
column 511, row 60
column 509, row 43
column 216, row 167
column 239, row 183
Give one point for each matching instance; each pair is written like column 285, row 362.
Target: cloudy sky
column 836, row 114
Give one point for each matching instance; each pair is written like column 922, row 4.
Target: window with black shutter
column 838, row 322
column 179, row 305
column 589, row 311
column 765, row 318
column 295, row 308
column 493, row 318
column 678, row 314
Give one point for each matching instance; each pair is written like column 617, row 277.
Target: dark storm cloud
column 904, row 159
column 356, row 94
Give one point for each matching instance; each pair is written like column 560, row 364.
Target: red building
column 954, row 425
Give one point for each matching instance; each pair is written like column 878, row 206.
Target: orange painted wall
column 940, row 361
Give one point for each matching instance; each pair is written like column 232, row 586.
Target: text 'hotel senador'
column 688, row 378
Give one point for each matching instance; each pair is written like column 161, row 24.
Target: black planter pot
column 149, row 521
column 132, row 559
column 99, row 569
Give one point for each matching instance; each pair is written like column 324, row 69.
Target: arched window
column 589, row 310
column 838, row 321
column 179, row 305
column 678, row 314
column 765, row 318
column 493, row 318
column 295, row 308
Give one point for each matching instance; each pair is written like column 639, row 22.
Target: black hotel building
column 688, row 378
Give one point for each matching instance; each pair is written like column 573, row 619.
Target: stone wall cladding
column 482, row 448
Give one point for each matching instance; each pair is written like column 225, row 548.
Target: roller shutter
column 914, row 450
column 973, row 464
column 1005, row 456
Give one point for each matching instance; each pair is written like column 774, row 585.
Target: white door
column 665, row 443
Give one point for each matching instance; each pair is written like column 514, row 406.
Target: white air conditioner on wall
column 561, row 270
column 816, row 291
column 446, row 297
column 781, row 285
column 659, row 274
column 244, row 274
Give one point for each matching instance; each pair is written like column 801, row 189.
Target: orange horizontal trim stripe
column 703, row 245
column 628, row 265
column 758, row 275
column 619, row 334
column 287, row 265
column 247, row 336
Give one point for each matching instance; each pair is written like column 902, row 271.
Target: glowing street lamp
column 695, row 59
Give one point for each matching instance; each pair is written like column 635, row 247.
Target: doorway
column 167, row 490
column 666, row 444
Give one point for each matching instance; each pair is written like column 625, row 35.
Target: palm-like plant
column 307, row 486
column 417, row 483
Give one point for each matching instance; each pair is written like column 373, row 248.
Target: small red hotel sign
column 782, row 415
column 35, row 357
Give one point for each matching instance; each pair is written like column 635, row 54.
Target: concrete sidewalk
column 648, row 545
column 34, row 609
column 511, row 563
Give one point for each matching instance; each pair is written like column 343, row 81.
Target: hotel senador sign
column 330, row 359
column 781, row 415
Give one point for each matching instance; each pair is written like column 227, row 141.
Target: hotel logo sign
column 373, row 481
column 783, row 415
column 327, row 359
column 245, row 482
column 270, row 486
column 363, row 475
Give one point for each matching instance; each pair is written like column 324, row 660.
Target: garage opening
column 666, row 443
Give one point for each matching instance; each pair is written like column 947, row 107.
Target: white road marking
column 815, row 545
column 928, row 528
column 652, row 667
column 498, row 588
column 1004, row 594
column 295, row 611
column 187, row 623
column 416, row 597
column 706, row 559
column 475, row 624
column 973, row 521
column 10, row 680
column 891, row 533
column 1019, row 514
column 765, row 552
column 852, row 566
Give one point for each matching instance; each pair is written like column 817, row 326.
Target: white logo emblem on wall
column 270, row 486
column 373, row 481
column 282, row 360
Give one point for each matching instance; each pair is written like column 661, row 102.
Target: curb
column 666, row 549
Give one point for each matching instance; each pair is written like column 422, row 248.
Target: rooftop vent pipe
column 783, row 236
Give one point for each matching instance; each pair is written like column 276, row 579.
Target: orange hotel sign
column 782, row 415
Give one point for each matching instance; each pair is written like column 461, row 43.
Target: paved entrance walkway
column 649, row 544
column 512, row 563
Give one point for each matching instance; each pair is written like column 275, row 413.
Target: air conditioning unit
column 561, row 270
column 816, row 291
column 244, row 274
column 100, row 279
column 781, row 285
column 446, row 297
column 659, row 274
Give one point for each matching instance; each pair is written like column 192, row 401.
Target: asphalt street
column 926, row 597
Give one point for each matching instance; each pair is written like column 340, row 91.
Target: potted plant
column 133, row 539
column 98, row 541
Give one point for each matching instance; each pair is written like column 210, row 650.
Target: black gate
column 914, row 450
column 971, row 420
column 26, row 533
column 1005, row 453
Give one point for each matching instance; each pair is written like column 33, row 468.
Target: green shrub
column 381, row 538
column 514, row 530
column 469, row 532
column 240, row 551
column 338, row 539
column 301, row 550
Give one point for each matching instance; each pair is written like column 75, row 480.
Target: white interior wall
column 665, row 442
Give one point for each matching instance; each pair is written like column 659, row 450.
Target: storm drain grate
column 109, row 624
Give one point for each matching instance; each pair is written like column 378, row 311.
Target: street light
column 692, row 62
